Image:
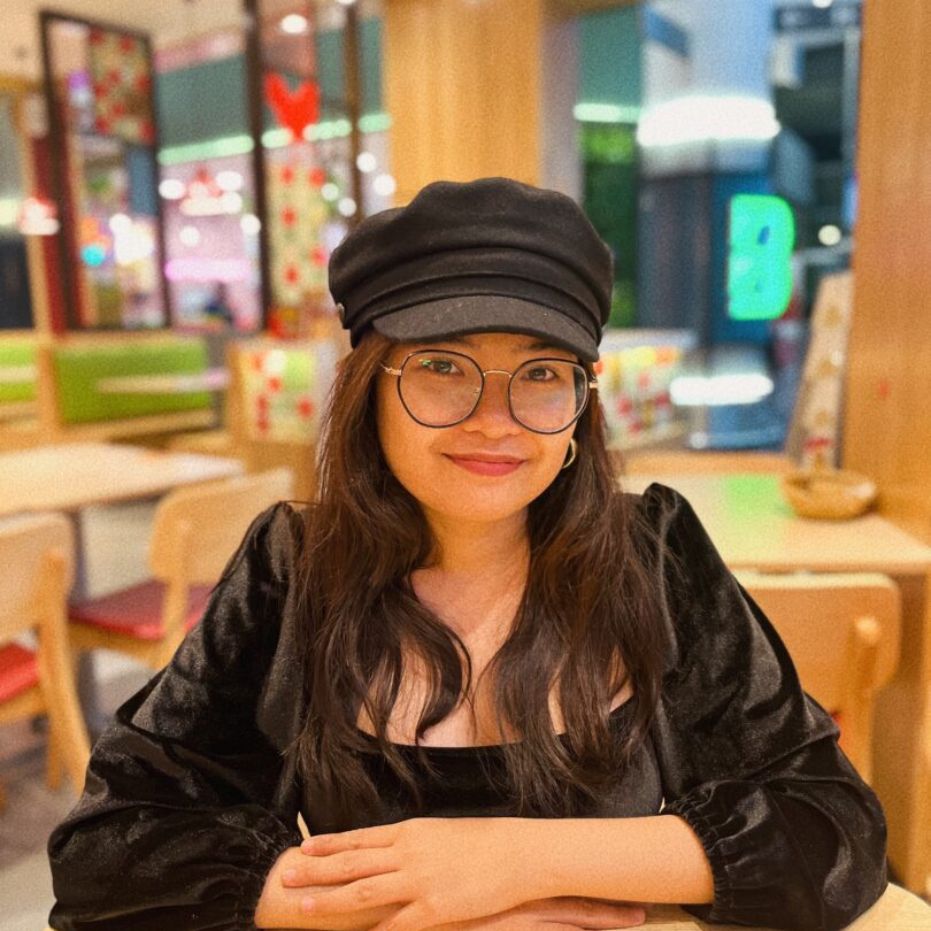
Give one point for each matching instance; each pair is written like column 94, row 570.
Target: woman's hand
column 559, row 914
column 441, row 870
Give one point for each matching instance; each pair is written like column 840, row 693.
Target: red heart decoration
column 295, row 110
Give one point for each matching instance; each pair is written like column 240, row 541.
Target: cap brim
column 483, row 313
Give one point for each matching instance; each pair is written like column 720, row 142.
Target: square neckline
column 476, row 749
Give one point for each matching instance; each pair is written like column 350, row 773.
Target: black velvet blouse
column 190, row 797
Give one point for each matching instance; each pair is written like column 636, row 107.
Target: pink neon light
column 208, row 269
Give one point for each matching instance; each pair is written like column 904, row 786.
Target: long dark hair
column 587, row 602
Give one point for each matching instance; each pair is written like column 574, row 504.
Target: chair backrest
column 196, row 530
column 26, row 543
column 279, row 388
column 842, row 631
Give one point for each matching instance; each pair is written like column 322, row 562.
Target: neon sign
column 759, row 269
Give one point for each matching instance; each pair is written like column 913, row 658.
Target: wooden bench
column 78, row 401
column 17, row 376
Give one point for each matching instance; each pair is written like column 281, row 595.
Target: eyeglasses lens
column 442, row 388
column 547, row 396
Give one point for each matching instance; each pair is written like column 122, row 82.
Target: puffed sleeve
column 185, row 808
column 795, row 838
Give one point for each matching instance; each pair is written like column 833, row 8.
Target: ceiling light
column 586, row 112
column 294, row 24
column 250, row 224
column 229, row 181
column 698, row 118
column 822, row 4
column 36, row 217
column 366, row 162
column 172, row 189
column 385, row 185
column 719, row 390
column 121, row 224
column 830, row 235
column 232, row 202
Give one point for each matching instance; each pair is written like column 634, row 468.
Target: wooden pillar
column 477, row 88
column 887, row 423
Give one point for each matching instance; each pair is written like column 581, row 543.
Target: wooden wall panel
column 887, row 423
column 464, row 88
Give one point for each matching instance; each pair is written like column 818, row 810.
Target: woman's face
column 488, row 467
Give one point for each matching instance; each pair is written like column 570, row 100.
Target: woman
column 502, row 694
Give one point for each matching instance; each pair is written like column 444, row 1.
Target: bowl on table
column 828, row 493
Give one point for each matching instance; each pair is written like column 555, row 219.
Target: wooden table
column 72, row 476
column 753, row 527
column 897, row 910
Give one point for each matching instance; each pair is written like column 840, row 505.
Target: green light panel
column 759, row 269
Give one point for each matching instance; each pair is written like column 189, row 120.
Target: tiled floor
column 115, row 540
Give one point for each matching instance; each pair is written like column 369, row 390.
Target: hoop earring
column 573, row 452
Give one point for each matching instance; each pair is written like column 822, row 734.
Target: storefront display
column 211, row 244
column 635, row 374
column 104, row 135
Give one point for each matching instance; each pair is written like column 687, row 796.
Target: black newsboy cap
column 485, row 255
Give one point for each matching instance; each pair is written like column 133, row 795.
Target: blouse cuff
column 266, row 851
column 744, row 839
column 715, row 847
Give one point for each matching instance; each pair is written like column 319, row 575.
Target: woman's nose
column 493, row 415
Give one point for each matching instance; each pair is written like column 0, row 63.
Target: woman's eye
column 439, row 366
column 540, row 373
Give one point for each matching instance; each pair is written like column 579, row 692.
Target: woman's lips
column 487, row 465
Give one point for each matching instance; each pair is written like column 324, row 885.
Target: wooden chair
column 195, row 532
column 276, row 394
column 36, row 554
column 679, row 462
column 842, row 631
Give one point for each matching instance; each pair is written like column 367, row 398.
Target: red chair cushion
column 18, row 670
column 136, row 611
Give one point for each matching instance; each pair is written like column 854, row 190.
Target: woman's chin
column 486, row 506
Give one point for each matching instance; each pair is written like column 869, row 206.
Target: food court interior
column 175, row 174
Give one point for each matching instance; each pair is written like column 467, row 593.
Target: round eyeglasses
column 442, row 388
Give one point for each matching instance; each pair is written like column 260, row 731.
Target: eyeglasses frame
column 590, row 383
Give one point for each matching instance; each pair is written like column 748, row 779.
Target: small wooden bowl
column 828, row 494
